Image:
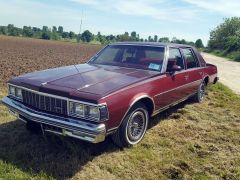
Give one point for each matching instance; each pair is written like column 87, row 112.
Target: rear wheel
column 200, row 93
column 133, row 127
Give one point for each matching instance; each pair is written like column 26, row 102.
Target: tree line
column 58, row 33
column 225, row 39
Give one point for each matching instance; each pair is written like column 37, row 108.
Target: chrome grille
column 45, row 103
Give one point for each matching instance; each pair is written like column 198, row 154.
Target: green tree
column 150, row 39
column 46, row 35
column 60, row 30
column 13, row 31
column 133, row 36
column 164, row 40
column 226, row 35
column 3, row 30
column 65, row 35
column 155, row 38
column 71, row 35
column 54, row 29
column 55, row 36
column 27, row 31
column 45, row 29
column 87, row 36
column 199, row 43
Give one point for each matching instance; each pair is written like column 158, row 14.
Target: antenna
column 81, row 23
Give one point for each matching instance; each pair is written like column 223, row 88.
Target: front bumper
column 66, row 126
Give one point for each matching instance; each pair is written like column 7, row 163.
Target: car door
column 173, row 86
column 195, row 72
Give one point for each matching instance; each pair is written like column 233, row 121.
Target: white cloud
column 224, row 7
column 161, row 9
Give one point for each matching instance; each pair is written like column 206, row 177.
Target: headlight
column 92, row 111
column 89, row 112
column 19, row 93
column 76, row 109
column 15, row 92
column 12, row 90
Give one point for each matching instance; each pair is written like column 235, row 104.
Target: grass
column 189, row 141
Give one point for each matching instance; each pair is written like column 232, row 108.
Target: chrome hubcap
column 202, row 91
column 136, row 126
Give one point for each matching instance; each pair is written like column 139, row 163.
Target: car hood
column 94, row 79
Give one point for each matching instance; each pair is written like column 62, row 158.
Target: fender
column 133, row 101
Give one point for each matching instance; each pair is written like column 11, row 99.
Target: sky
column 184, row 19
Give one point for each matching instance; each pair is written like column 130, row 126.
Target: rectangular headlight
column 12, row 90
column 19, row 93
column 90, row 112
column 76, row 109
column 15, row 92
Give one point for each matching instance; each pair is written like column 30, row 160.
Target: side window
column 175, row 58
column 191, row 60
column 107, row 55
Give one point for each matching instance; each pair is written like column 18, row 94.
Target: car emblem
column 43, row 84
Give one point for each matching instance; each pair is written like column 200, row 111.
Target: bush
column 235, row 56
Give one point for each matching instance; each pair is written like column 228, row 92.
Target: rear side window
column 190, row 58
column 175, row 58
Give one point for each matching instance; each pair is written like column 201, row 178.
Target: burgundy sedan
column 115, row 93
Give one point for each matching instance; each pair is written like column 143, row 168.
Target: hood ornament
column 43, row 84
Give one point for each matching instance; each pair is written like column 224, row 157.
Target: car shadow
column 56, row 156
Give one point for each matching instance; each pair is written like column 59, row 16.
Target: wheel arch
column 206, row 80
column 145, row 99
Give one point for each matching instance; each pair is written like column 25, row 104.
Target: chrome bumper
column 69, row 127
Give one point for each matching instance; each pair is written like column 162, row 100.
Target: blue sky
column 188, row 19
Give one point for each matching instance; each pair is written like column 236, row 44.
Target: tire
column 133, row 127
column 33, row 127
column 201, row 92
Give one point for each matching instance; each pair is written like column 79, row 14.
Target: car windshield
column 131, row 56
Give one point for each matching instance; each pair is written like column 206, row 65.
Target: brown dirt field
column 23, row 55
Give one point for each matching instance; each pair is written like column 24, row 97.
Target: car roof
column 153, row 44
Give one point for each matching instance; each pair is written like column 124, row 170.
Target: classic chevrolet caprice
column 115, row 93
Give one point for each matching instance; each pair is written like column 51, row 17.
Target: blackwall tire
column 199, row 96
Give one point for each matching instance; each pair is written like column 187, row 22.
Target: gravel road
column 229, row 71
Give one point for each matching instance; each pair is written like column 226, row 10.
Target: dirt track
column 229, row 71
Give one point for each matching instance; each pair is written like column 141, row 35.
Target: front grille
column 44, row 102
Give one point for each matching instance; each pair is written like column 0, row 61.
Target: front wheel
column 133, row 127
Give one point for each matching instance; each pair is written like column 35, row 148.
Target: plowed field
column 21, row 55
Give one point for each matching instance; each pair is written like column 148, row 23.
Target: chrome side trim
column 173, row 104
column 111, row 130
column 177, row 88
column 92, row 132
